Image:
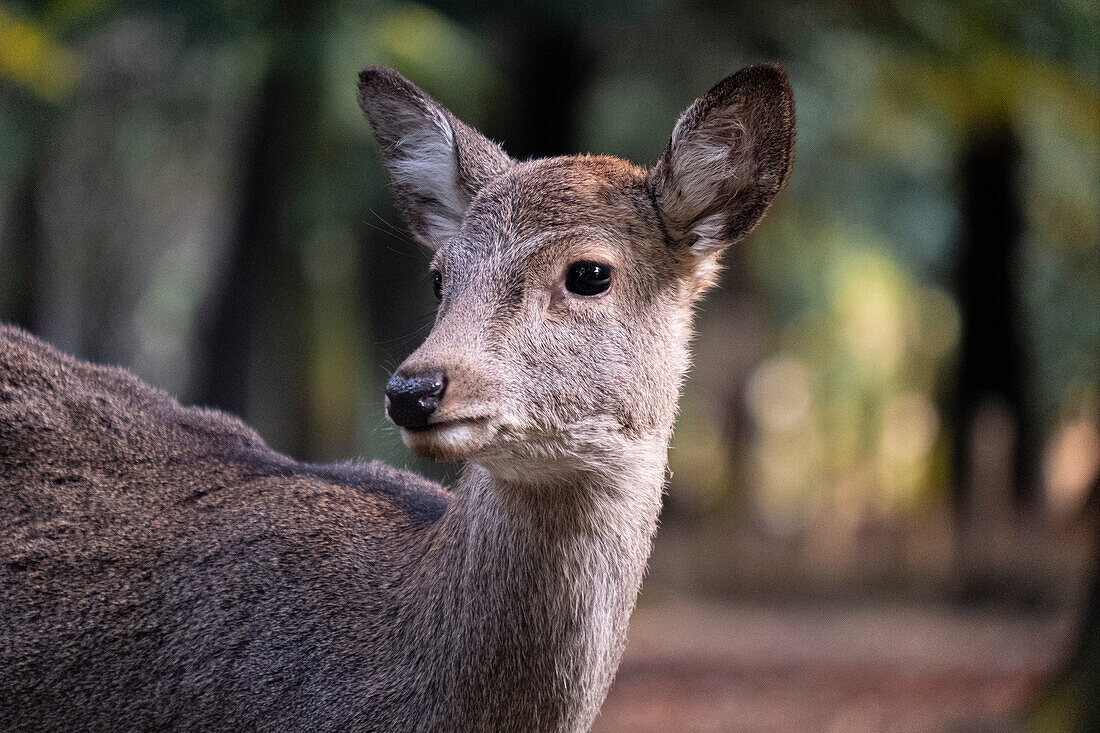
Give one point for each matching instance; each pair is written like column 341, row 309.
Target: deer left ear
column 437, row 164
column 729, row 155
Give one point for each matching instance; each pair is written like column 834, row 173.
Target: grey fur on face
column 162, row 568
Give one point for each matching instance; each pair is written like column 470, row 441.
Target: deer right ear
column 729, row 155
column 436, row 163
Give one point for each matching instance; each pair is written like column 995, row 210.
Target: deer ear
column 436, row 163
column 729, row 155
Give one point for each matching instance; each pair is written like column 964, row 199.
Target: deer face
column 566, row 285
column 562, row 321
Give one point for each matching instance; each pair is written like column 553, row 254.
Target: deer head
column 566, row 285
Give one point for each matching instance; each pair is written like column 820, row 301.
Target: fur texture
column 161, row 568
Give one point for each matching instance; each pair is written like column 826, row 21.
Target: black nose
column 412, row 400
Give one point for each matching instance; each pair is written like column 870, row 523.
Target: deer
column 162, row 568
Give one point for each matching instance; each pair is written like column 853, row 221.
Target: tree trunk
column 19, row 281
column 255, row 352
column 994, row 454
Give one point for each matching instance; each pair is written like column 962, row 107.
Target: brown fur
column 161, row 568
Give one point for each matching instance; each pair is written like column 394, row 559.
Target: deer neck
column 533, row 584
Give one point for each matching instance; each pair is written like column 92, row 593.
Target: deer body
column 198, row 593
column 161, row 568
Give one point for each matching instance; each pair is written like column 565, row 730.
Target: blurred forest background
column 895, row 408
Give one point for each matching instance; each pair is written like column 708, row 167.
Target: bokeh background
column 882, row 508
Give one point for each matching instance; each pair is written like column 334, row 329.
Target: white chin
column 450, row 442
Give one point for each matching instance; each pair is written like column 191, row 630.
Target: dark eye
column 437, row 284
column 588, row 278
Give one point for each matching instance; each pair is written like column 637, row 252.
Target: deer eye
column 437, row 284
column 588, row 278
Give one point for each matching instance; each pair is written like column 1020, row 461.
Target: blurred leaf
column 31, row 57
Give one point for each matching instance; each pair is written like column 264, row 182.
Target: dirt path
column 694, row 667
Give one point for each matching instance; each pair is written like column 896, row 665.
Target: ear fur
column 729, row 155
column 436, row 163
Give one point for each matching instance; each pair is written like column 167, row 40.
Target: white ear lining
column 709, row 234
column 720, row 146
column 709, row 163
column 423, row 161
